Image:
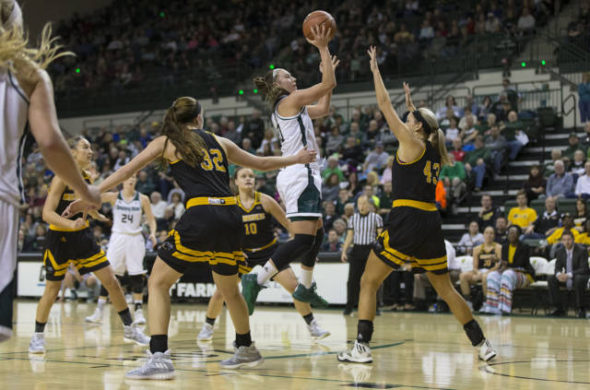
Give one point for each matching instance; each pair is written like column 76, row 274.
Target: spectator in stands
column 248, row 146
column 475, row 162
column 471, row 239
column 335, row 140
column 488, row 214
column 584, row 98
column 176, row 205
column 522, row 215
column 549, row 166
column 560, row 184
column 332, row 168
column 36, row 242
column 122, row 159
column 158, row 205
column 576, row 167
column 514, row 272
column 574, row 144
column 386, row 199
column 344, row 196
column 452, row 132
column 485, row 109
column 453, row 177
column 468, row 121
column 450, row 103
column 458, row 152
column 501, row 230
column 511, row 131
column 496, row 143
column 145, row 185
column 486, row 258
column 526, row 22
column 583, row 183
column 377, row 159
column 421, row 281
column 329, row 215
column 331, row 188
column 352, row 152
column 581, row 215
column 571, row 272
column 545, row 225
column 333, row 244
column 254, row 129
column 567, row 221
column 584, row 237
column 586, row 138
column 386, row 176
column 535, row 184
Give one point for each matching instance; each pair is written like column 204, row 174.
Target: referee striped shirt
column 365, row 227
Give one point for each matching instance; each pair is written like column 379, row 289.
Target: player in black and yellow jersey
column 259, row 244
column 413, row 234
column 71, row 241
column 210, row 230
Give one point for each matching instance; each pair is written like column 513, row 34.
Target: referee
column 363, row 228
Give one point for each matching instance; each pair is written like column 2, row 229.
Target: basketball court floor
column 410, row 351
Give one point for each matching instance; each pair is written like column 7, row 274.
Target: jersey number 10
column 431, row 173
column 251, row 228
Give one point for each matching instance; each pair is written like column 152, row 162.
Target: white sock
column 267, row 272
column 101, row 302
column 306, row 278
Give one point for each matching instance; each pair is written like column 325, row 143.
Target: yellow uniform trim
column 254, row 250
column 175, row 161
column 256, row 201
column 100, row 260
column 410, row 163
column 394, row 251
column 426, row 206
column 211, row 201
column 64, row 229
column 192, row 259
column 49, row 256
column 91, row 258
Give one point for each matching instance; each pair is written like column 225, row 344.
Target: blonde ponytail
column 437, row 139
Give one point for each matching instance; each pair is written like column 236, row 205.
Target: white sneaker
column 360, row 353
column 206, row 333
column 129, row 299
column 139, row 318
column 37, row 344
column 96, row 317
column 316, row 332
column 159, row 367
column 243, row 357
column 486, row 351
column 132, row 334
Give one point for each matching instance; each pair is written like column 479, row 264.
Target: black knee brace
column 292, row 250
column 309, row 258
column 136, row 282
column 474, row 332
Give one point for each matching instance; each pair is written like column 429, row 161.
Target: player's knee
column 369, row 282
column 52, row 287
column 293, row 249
column 136, row 283
column 310, row 257
column 229, row 292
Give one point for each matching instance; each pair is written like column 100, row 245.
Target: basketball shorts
column 257, row 258
column 79, row 248
column 413, row 236
column 126, row 253
column 300, row 188
column 8, row 253
column 210, row 233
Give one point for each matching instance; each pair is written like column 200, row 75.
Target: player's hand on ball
column 305, row 156
column 372, row 52
column 321, row 36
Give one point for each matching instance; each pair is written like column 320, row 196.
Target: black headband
column 427, row 129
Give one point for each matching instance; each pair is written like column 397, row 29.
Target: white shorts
column 126, row 252
column 8, row 252
column 300, row 189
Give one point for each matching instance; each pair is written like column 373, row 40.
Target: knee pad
column 310, row 257
column 292, row 250
column 136, row 282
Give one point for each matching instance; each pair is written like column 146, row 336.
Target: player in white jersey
column 26, row 95
column 126, row 248
column 299, row 185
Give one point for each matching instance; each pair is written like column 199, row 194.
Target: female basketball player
column 210, row 230
column 414, row 233
column 126, row 248
column 27, row 98
column 71, row 241
column 299, row 185
column 259, row 244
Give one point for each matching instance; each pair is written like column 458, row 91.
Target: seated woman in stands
column 486, row 258
column 514, row 272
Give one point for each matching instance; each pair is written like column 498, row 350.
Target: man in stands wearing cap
column 574, row 144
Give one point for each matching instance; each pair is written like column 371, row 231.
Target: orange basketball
column 318, row 18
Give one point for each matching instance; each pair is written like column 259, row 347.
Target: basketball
column 318, row 18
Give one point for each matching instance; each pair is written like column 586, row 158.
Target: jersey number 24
column 431, row 172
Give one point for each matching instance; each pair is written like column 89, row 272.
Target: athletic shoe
column 132, row 334
column 360, row 353
column 129, row 299
column 250, row 290
column 158, row 366
column 206, row 333
column 37, row 344
column 486, row 351
column 309, row 295
column 316, row 332
column 139, row 318
column 96, row 317
column 243, row 357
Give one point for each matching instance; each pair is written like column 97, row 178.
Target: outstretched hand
column 321, row 36
column 372, row 52
column 335, row 61
column 408, row 92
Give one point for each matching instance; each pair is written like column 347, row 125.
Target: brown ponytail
column 269, row 89
column 189, row 145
